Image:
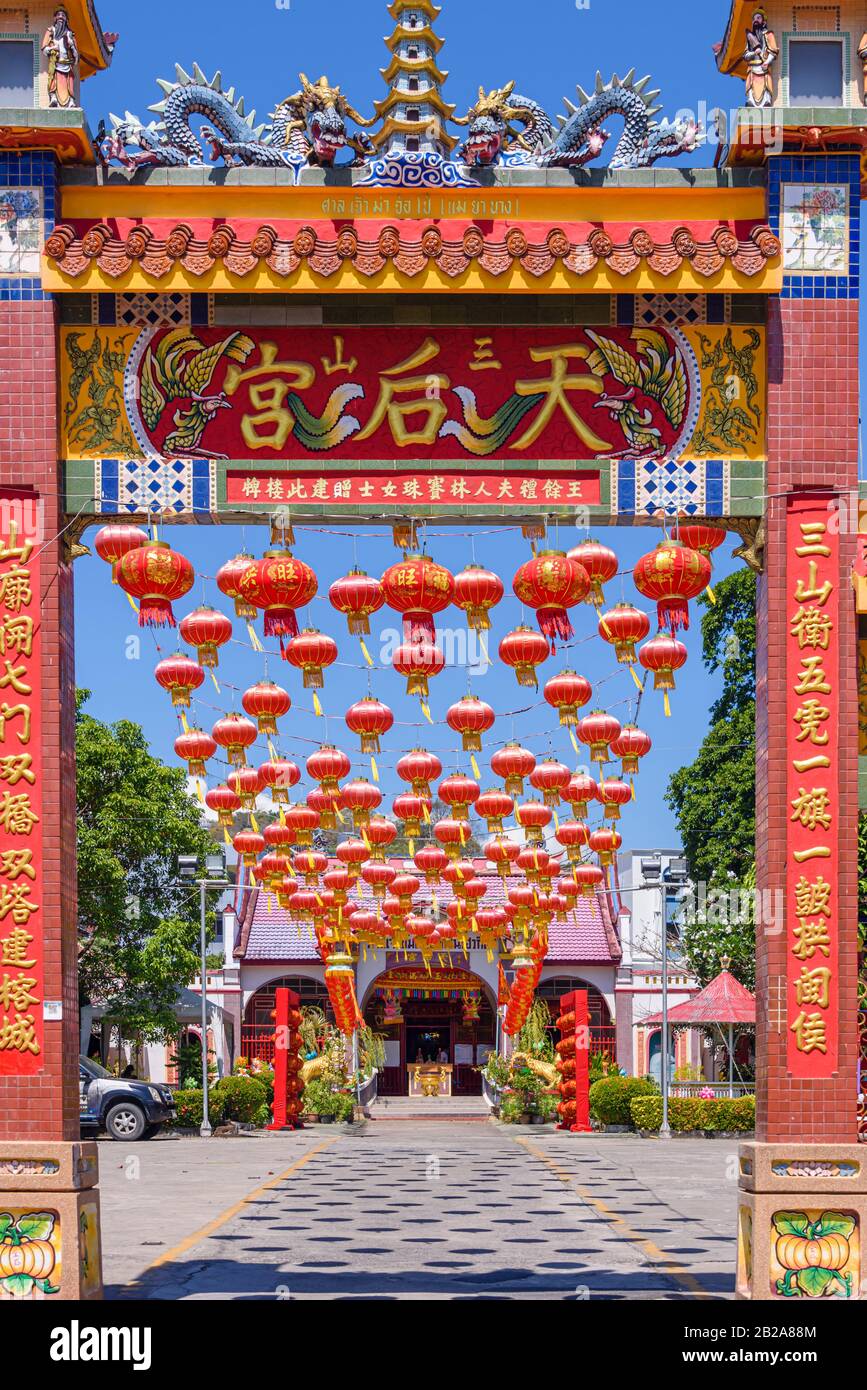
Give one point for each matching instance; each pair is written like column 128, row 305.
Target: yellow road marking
column 650, row 1249
column 202, row 1234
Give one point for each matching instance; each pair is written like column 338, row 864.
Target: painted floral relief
column 815, row 229
column 20, row 231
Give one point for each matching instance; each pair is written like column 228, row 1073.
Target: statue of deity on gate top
column 61, row 53
column 760, row 54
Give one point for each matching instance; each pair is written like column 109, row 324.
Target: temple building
column 414, row 114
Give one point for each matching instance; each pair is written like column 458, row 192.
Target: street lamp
column 215, row 869
column 677, row 873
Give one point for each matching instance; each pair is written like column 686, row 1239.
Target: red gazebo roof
column 724, row 1000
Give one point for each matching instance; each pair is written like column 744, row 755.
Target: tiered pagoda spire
column 414, row 114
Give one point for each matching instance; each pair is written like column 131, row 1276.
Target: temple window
column 413, row 84
column 412, row 144
column 413, row 113
column 16, row 73
column 815, row 71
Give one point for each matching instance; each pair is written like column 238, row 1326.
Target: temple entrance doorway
column 443, row 1019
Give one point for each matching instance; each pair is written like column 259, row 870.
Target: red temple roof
column 724, row 1000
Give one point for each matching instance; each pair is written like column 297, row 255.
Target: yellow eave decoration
column 426, row 33
column 425, row 6
column 84, row 23
column 399, row 64
column 393, row 126
column 729, row 58
column 429, row 97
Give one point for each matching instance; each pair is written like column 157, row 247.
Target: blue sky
column 260, row 50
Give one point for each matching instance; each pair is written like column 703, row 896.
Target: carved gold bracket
column 752, row 532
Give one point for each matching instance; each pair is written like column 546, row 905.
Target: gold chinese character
column 813, row 591
column 812, row 899
column 812, row 678
column 554, row 392
column 15, row 768
column 12, row 712
column 814, row 986
column 339, row 364
column 483, row 357
column 15, row 862
column 812, row 628
column 16, row 635
column 813, row 532
column 16, row 814
column 426, row 393
column 811, row 937
column 14, row 948
column 811, row 808
column 19, row 1035
column 15, row 590
column 11, row 550
column 274, row 421
column 15, row 992
column 13, row 676
column 17, row 901
column 809, row 1029
column 811, row 716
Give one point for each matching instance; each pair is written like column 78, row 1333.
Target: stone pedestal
column 802, row 1209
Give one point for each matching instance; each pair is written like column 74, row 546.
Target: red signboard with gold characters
column 812, row 753
column 21, row 943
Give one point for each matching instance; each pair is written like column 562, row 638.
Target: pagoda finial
column 414, row 114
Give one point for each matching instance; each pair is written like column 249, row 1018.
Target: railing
column 603, row 1040
column 721, row 1089
column 490, row 1092
column 368, row 1090
column 257, row 1042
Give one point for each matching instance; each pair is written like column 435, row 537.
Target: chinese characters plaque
column 812, row 752
column 21, row 940
column 441, row 489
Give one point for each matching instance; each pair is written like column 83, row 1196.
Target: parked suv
column 126, row 1110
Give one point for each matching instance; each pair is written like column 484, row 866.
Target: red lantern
column 601, row 565
column 419, row 768
column 605, row 843
column 310, row 864
column 206, row 629
column 279, row 584
column 550, row 583
column 267, row 703
column 352, row 854
column 310, row 652
column 458, row 872
column 598, row 730
column 552, row 778
column 246, row 783
column 589, row 878
column 471, row 718
column 361, row 798
column 411, row 809
column 502, row 853
column 225, row 803
column 580, row 792
column 302, row 821
column 431, row 860
column 338, row 882
column 513, row 763
column 418, row 588
column 613, row 794
column 418, row 662
column 404, row 887
column 249, row 845
column 524, row 650
column 380, row 834
column 702, row 536
column 623, row 626
column 272, row 870
column 370, row 719
column 327, row 765
column 493, row 807
column 460, row 793
column 477, row 591
column 326, row 805
column 567, row 693
column 194, row 748
column 236, row 734
column 357, row 595
column 663, row 655
column 157, row 576
column 278, row 776
column 180, row 677
column 452, row 835
column 536, row 863
column 574, row 836
column 533, row 817
column 672, row 574
column 632, row 745
column 113, row 542
column 228, row 577
column 278, row 836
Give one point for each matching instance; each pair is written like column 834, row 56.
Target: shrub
column 263, row 1117
column 241, row 1097
column 319, row 1099
column 610, row 1098
column 547, row 1107
column 190, row 1105
column 510, row 1110
column 692, row 1113
column 344, row 1106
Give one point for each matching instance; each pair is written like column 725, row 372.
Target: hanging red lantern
column 418, row 588
column 272, row 870
column 601, row 565
column 279, row 775
column 411, row 809
column 378, row 877
column 513, row 763
column 370, row 719
column 567, row 693
column 326, row 805
column 460, row 793
column 380, row 834
column 533, row 817
column 228, row 577
column 194, row 748
column 311, row 652
column 623, row 626
column 278, row 836
column 180, row 677
column 477, row 591
column 574, row 836
column 502, row 853
column 550, row 583
column 352, row 854
column 249, row 845
column 536, row 863
column 419, row 662
column 302, row 821
column 235, row 734
column 613, row 794
column 493, row 924
column 581, row 791
column 266, row 702
column 419, row 768
column 702, row 536
column 431, row 861
column 471, row 718
column 458, row 872
column 589, row 878
column 672, row 574
column 632, row 745
column 357, row 595
column 338, row 881
column 327, row 766
column 206, row 629
column 452, row 835
column 224, row 803
column 552, row 778
column 404, row 887
column 246, row 783
column 524, row 650
column 605, row 843
column 493, row 807
column 663, row 655
column 310, row 864
column 157, row 576
column 113, row 542
column 280, row 584
column 599, row 730
column 361, row 798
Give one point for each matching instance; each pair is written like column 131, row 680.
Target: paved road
column 420, row 1210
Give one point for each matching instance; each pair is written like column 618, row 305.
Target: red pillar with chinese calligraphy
column 44, row 1167
column 805, row 1160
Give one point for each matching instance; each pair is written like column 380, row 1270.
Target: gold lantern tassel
column 411, row 844
column 199, row 793
column 374, row 769
column 556, row 821
column 426, row 813
column 574, row 741
column 484, row 647
column 426, row 711
column 634, row 674
column 667, row 703
column 184, row 725
column 215, row 681
column 272, row 751
column 711, row 595
column 253, row 826
column 226, row 836
column 366, row 654
column 268, row 899
column 132, row 603
column 317, row 708
column 254, row 638
column 474, row 765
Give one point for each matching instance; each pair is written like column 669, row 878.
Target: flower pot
column 537, row 1119
column 311, row 1119
column 525, row 1118
column 326, row 1119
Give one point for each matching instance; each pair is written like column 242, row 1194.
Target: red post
column 574, row 1062
column 286, row 1108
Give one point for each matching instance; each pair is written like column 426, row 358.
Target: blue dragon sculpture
column 581, row 137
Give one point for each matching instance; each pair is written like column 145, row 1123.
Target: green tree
column 138, row 927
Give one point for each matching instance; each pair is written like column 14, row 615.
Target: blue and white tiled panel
column 653, row 487
column 188, row 485
column 27, row 205
column 814, row 206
